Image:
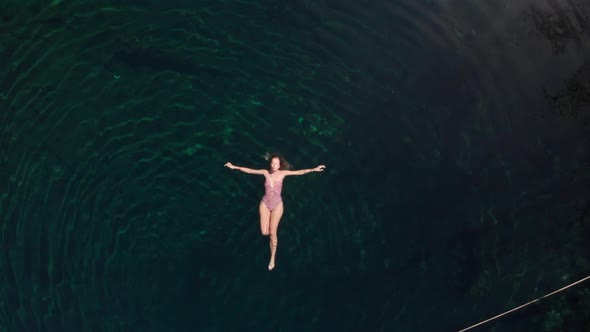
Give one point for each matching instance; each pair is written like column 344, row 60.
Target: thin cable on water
column 524, row 305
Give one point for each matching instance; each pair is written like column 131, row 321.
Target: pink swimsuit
column 272, row 195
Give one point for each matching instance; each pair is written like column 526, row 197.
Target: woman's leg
column 275, row 218
column 264, row 219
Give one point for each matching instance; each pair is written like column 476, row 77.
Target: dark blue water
column 455, row 136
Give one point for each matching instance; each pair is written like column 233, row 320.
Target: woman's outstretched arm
column 305, row 171
column 246, row 169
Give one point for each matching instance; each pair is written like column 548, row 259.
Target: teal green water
column 454, row 137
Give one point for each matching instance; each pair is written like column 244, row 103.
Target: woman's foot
column 271, row 265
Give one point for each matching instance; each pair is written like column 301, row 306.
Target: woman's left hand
column 319, row 168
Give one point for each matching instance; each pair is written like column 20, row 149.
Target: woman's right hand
column 229, row 165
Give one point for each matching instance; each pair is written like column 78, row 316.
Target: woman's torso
column 273, row 185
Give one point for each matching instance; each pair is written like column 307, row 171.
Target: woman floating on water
column 271, row 206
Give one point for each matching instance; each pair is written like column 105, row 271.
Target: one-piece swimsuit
column 272, row 194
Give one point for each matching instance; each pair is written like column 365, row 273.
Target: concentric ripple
column 116, row 121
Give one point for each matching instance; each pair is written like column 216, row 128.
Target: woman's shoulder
column 281, row 175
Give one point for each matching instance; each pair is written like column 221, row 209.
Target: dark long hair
column 269, row 156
